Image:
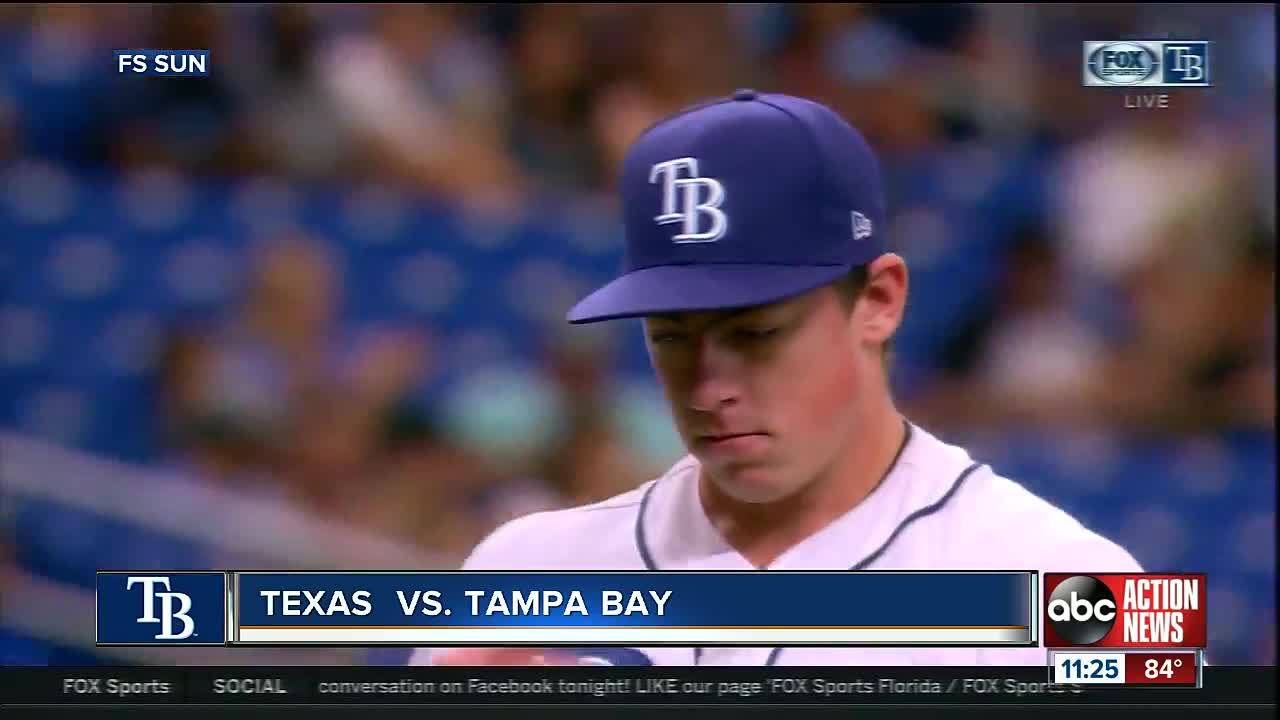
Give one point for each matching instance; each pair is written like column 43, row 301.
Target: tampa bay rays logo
column 690, row 200
column 167, row 611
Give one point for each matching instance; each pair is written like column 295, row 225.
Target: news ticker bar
column 599, row 686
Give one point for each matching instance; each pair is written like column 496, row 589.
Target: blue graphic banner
column 841, row 608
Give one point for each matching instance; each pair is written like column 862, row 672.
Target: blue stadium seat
column 70, row 545
column 19, row 649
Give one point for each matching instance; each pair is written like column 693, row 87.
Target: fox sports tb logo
column 164, row 607
column 1082, row 610
column 1122, row 63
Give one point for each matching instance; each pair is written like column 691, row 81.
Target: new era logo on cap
column 861, row 226
column 741, row 202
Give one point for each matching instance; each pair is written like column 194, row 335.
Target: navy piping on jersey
column 922, row 512
column 642, row 544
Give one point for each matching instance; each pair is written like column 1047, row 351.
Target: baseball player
column 756, row 257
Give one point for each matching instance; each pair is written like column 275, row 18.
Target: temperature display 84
column 1148, row 668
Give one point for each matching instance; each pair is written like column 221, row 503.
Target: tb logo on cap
column 685, row 201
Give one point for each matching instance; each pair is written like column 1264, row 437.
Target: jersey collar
column 673, row 532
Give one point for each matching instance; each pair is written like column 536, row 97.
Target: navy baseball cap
column 739, row 202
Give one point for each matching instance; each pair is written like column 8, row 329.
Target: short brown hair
column 851, row 284
column 849, row 287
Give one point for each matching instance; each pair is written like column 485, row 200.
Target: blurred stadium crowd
column 308, row 311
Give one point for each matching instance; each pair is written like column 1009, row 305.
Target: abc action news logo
column 1124, row 611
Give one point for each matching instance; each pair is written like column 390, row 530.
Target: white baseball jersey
column 936, row 509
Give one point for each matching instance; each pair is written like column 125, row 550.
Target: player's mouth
column 732, row 443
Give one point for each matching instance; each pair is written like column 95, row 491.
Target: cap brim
column 698, row 288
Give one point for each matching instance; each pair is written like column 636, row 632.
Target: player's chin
column 755, row 483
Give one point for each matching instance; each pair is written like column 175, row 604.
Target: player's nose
column 714, row 383
column 711, row 397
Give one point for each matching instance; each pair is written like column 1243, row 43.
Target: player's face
column 766, row 398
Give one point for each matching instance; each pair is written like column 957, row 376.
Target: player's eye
column 755, row 333
column 665, row 338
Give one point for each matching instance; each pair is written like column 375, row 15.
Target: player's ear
column 884, row 298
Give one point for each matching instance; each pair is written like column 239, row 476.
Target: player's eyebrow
column 721, row 317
